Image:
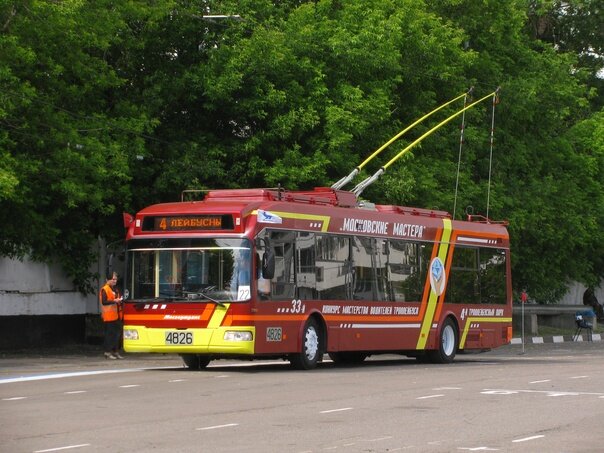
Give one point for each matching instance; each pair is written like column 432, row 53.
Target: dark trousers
column 113, row 335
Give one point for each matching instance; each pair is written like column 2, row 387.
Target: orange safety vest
column 108, row 312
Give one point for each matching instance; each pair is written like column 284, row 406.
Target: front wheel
column 195, row 361
column 310, row 352
column 447, row 344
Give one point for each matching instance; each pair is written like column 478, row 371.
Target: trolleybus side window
column 492, row 276
column 366, row 269
column 381, row 270
column 306, row 275
column 334, row 276
column 407, row 267
column 477, row 276
column 464, row 284
column 282, row 284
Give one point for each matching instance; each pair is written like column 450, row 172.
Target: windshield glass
column 189, row 269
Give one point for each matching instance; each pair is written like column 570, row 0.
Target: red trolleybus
column 266, row 273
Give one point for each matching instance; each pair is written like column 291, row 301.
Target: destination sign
column 188, row 223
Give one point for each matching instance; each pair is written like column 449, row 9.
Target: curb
column 558, row 339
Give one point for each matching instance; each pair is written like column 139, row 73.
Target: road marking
column 63, row 448
column 128, row 370
column 15, row 398
column 579, row 377
column 336, row 410
column 429, row 396
column 75, row 374
column 447, row 388
column 478, row 449
column 129, row 386
column 528, row 438
column 544, row 392
column 228, row 425
column 75, row 392
column 378, row 439
column 177, row 380
column 540, row 382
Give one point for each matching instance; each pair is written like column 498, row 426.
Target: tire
column 195, row 361
column 347, row 358
column 447, row 343
column 311, row 348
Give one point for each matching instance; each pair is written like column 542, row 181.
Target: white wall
column 31, row 288
column 574, row 295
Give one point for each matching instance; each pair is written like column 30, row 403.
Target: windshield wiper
column 211, row 299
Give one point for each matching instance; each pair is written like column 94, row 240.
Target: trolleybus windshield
column 189, row 269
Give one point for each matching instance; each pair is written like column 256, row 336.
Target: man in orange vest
column 111, row 312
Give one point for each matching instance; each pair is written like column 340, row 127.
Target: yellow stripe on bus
column 443, row 248
column 324, row 219
column 469, row 321
column 218, row 315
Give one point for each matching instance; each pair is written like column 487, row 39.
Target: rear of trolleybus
column 182, row 291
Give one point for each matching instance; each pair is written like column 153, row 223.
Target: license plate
column 177, row 337
column 274, row 334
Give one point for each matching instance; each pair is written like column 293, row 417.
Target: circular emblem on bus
column 437, row 276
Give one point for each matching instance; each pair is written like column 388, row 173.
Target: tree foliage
column 109, row 107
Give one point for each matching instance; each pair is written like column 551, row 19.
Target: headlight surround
column 238, row 335
column 130, row 334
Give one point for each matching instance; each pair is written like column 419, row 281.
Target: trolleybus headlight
column 237, row 335
column 130, row 334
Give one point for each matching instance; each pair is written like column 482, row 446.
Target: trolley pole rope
column 495, row 102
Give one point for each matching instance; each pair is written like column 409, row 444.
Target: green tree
column 111, row 107
column 574, row 27
column 64, row 136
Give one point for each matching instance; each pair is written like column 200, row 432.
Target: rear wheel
column 447, row 344
column 310, row 352
column 195, row 361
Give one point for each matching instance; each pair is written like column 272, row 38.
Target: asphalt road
column 549, row 399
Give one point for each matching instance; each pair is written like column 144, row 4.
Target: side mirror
column 268, row 264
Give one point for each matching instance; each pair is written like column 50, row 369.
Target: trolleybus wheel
column 347, row 358
column 447, row 343
column 308, row 358
column 195, row 361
